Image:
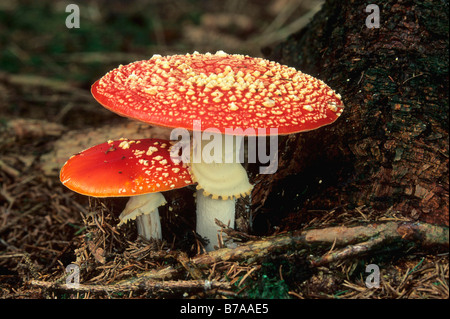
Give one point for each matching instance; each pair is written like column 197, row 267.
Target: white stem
column 149, row 225
column 208, row 209
column 220, row 182
column 144, row 209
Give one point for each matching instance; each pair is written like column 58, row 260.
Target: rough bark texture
column 390, row 148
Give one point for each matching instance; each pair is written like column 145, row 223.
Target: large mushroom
column 228, row 95
column 140, row 169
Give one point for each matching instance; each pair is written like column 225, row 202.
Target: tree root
column 357, row 240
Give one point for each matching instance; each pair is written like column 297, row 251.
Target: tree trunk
column 390, row 147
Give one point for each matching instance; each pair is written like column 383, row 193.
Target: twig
column 357, row 240
column 235, row 234
column 148, row 285
column 347, row 252
column 8, row 169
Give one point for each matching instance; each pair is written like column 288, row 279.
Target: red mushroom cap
column 124, row 168
column 221, row 90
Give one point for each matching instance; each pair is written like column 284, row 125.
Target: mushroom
column 229, row 95
column 140, row 169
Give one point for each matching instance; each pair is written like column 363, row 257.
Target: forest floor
column 47, row 114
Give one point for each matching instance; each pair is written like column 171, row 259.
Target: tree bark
column 390, row 147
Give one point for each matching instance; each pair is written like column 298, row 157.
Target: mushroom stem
column 144, row 209
column 149, row 225
column 220, row 181
column 208, row 209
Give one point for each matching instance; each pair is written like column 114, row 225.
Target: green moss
column 266, row 287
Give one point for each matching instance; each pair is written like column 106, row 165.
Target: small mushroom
column 140, row 169
column 230, row 93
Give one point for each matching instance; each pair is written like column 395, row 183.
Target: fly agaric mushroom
column 223, row 91
column 140, row 169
